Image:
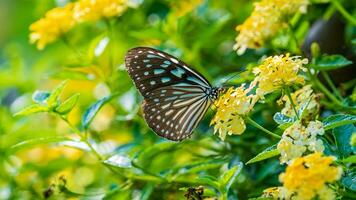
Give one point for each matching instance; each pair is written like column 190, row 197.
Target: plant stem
column 255, row 124
column 331, row 84
column 318, row 84
column 343, row 11
column 287, row 90
column 224, row 196
column 83, row 137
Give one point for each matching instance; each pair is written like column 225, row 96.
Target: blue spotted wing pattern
column 175, row 96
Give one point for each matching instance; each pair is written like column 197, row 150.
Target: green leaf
column 40, row 96
column 338, row 120
column 350, row 159
column 35, row 108
column 327, row 62
column 120, row 161
column 265, row 154
column 68, row 104
column 228, row 177
column 208, row 180
column 199, row 166
column 342, row 136
column 280, row 118
column 145, row 157
column 349, row 181
column 36, row 141
column 53, row 99
column 147, row 191
column 93, row 110
column 353, row 41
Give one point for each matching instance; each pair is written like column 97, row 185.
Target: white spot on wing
column 174, row 60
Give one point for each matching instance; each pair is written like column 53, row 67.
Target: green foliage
column 93, row 110
column 338, row 120
column 330, row 62
column 265, row 154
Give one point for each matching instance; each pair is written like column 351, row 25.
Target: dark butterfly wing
column 178, row 111
column 175, row 96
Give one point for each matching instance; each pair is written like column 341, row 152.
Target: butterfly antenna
column 231, row 77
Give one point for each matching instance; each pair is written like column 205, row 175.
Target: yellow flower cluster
column 267, row 18
column 278, row 71
column 306, row 177
column 297, row 139
column 275, row 193
column 303, row 97
column 55, row 23
column 92, row 10
column 183, row 7
column 231, row 106
column 59, row 21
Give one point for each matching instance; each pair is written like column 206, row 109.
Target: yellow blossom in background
column 298, row 139
column 306, row 177
column 92, row 10
column 267, row 18
column 55, row 23
column 183, row 7
column 231, row 106
column 277, row 71
column 275, row 193
column 302, row 97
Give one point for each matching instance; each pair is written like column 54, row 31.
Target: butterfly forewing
column 175, row 96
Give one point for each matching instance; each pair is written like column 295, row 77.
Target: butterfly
column 176, row 97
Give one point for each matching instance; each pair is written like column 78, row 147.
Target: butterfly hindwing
column 175, row 96
column 178, row 112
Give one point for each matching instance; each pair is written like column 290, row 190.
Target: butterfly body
column 175, row 96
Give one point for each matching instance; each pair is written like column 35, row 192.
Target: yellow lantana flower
column 302, row 97
column 267, row 18
column 277, row 71
column 231, row 106
column 275, row 193
column 55, row 23
column 306, row 177
column 183, row 7
column 298, row 139
column 92, row 10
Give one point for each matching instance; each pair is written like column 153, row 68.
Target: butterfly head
column 216, row 92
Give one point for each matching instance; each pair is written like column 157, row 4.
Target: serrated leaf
column 36, row 141
column 92, row 111
column 67, row 105
column 227, row 178
column 265, row 154
column 280, row 118
column 53, row 99
column 327, row 62
column 338, row 120
column 120, row 161
column 32, row 109
column 349, row 181
column 342, row 136
column 40, row 96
